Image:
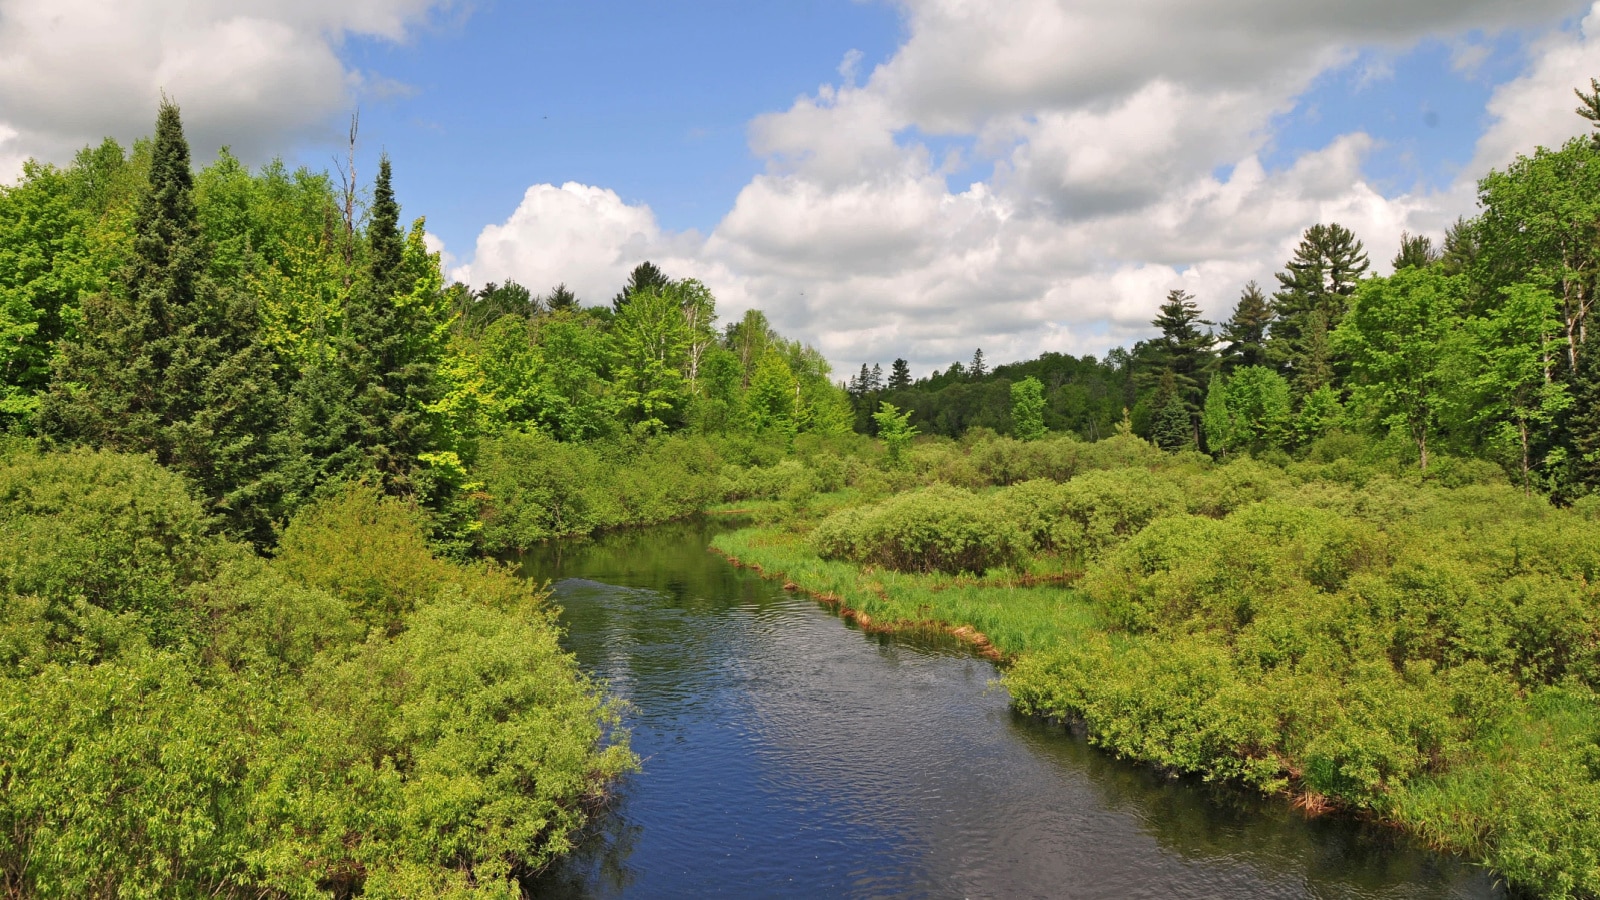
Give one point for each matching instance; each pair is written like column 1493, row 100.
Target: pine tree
column 1315, row 293
column 1246, row 332
column 644, row 277
column 1183, row 353
column 1591, row 108
column 1416, row 252
column 166, row 363
column 977, row 369
column 900, row 375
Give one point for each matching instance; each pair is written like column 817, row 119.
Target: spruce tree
column 875, row 383
column 644, row 277
column 1315, row 293
column 1172, row 428
column 1246, row 332
column 166, row 363
column 978, row 369
column 389, row 352
column 900, row 375
column 560, row 298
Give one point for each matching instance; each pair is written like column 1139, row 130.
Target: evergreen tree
column 391, row 347
column 1183, row 354
column 1582, row 423
column 1416, row 252
column 644, row 277
column 1460, row 251
column 978, row 369
column 561, row 298
column 875, row 383
column 1315, row 293
column 166, row 363
column 1591, row 108
column 900, row 375
column 1172, row 427
column 1246, row 332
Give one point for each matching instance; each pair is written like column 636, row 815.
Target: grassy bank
column 1336, row 630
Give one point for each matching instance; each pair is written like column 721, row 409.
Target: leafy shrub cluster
column 936, row 529
column 536, row 488
column 179, row 717
column 1429, row 654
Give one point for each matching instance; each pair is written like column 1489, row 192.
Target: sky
column 884, row 178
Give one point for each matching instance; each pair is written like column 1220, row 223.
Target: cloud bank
column 1103, row 128
column 254, row 74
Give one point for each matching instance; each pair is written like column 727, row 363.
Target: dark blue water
column 787, row 754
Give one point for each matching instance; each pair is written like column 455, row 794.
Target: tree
column 1581, row 424
column 1245, row 333
column 875, row 379
column 1315, row 290
column 645, row 277
column 1515, row 398
column 748, row 339
column 1590, row 108
column 167, row 363
column 699, row 309
column 396, row 323
column 895, row 430
column 1403, row 335
column 1027, row 409
column 1416, row 252
column 1183, row 355
column 771, row 403
column 977, row 370
column 560, row 298
column 1171, row 428
column 652, row 347
column 477, row 310
column 1541, row 224
column 899, row 375
column 1247, row 411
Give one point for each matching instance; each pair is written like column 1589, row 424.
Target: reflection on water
column 786, row 753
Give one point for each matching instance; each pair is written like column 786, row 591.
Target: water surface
column 787, row 754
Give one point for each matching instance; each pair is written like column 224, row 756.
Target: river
column 787, row 754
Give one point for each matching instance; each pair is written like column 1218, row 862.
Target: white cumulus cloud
column 251, row 73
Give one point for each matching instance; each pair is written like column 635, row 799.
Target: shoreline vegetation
column 256, row 448
column 1339, row 630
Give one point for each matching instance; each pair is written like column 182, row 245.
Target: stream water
column 787, row 754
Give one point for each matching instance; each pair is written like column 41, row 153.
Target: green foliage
column 181, row 718
column 896, row 430
column 936, row 529
column 1027, row 409
column 1247, row 411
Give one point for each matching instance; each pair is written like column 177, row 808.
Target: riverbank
column 1413, row 653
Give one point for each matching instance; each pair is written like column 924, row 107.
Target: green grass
column 1014, row 612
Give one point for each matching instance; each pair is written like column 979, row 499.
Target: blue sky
column 1022, row 176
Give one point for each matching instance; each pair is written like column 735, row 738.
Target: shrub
column 936, row 529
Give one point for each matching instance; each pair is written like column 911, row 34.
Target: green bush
column 105, row 544
column 936, row 529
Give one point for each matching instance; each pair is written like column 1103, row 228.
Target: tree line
column 1477, row 346
column 269, row 337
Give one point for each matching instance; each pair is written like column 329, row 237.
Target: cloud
column 1537, row 109
column 1107, row 129
column 251, row 73
column 586, row 237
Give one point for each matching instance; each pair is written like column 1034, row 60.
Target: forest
column 260, row 460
